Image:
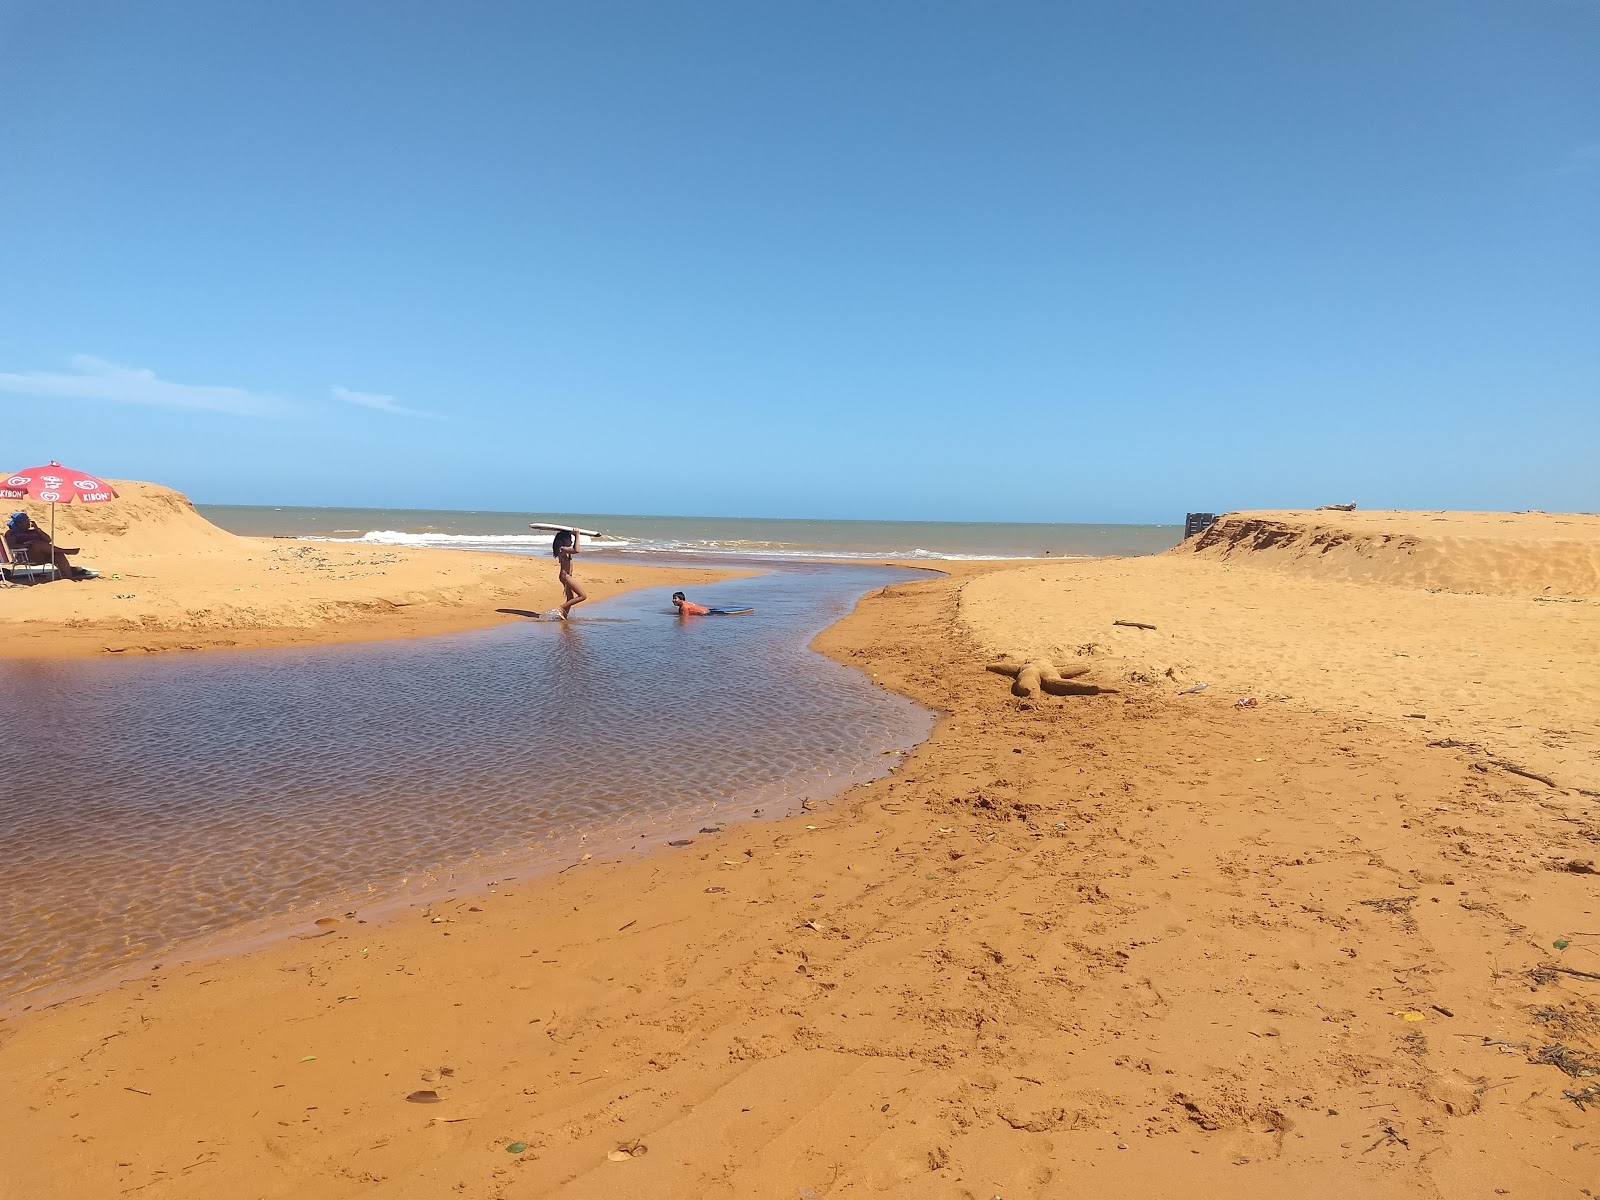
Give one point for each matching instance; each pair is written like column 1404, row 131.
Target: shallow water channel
column 170, row 799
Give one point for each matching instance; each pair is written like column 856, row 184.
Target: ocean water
column 741, row 537
column 176, row 801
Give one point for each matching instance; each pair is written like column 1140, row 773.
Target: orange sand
column 1126, row 945
column 1529, row 554
column 1424, row 619
column 171, row 580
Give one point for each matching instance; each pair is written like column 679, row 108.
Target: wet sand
column 1121, row 945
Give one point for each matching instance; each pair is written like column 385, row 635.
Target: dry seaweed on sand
column 1546, row 973
column 1567, row 1059
column 1584, row 1096
column 1398, row 905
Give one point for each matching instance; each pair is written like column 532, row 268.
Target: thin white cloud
column 96, row 379
column 1583, row 158
column 375, row 400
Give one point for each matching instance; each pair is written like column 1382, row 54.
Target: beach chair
column 15, row 567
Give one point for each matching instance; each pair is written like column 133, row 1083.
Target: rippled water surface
column 164, row 799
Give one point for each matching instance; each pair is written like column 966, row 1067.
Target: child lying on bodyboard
column 688, row 608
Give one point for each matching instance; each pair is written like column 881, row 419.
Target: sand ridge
column 170, row 579
column 1529, row 554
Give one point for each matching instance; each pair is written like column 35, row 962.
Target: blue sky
column 923, row 259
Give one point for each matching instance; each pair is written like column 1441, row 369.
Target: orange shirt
column 689, row 608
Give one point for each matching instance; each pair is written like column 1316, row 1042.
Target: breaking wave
column 539, row 543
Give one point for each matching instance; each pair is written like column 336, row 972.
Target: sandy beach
column 1478, row 627
column 1146, row 942
column 171, row 580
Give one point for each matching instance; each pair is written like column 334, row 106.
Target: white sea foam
column 472, row 541
column 732, row 550
column 539, row 543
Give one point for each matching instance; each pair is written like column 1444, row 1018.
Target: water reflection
column 165, row 798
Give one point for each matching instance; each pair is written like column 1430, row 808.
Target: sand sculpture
column 1040, row 675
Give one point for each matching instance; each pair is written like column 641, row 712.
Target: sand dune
column 170, row 579
column 1500, row 554
column 143, row 517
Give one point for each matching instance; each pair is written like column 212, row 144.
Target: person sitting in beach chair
column 15, row 568
column 27, row 544
column 687, row 607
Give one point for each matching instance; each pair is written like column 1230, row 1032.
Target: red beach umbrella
column 54, row 484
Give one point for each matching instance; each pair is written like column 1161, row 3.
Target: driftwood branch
column 1134, row 624
column 1526, row 774
column 1511, row 768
